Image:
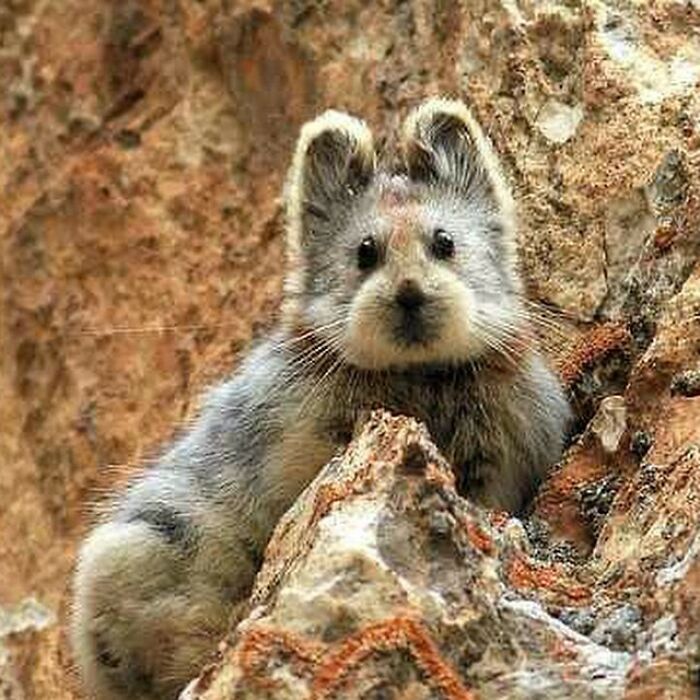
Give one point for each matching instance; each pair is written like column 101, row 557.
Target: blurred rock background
column 143, row 145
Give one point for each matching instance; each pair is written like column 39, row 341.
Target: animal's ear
column 333, row 163
column 442, row 143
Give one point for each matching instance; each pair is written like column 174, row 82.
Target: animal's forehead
column 398, row 205
column 395, row 191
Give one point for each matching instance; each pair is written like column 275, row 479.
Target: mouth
column 413, row 329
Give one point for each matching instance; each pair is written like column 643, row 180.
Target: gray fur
column 177, row 550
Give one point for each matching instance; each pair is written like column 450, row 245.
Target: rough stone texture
column 382, row 583
column 143, row 145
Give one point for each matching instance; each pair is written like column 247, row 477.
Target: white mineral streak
column 28, row 615
column 679, row 570
column 514, row 13
column 346, row 565
column 607, row 667
column 344, row 570
column 352, row 530
column 558, row 122
column 610, row 422
column 664, row 636
column 652, row 77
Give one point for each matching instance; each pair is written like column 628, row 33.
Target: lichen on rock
column 394, row 584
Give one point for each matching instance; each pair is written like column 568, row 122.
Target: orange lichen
column 328, row 668
column 563, row 650
column 594, row 346
column 498, row 518
column 436, row 475
column 480, row 539
column 664, row 236
column 665, row 677
column 524, row 574
column 260, row 644
column 328, row 494
column 396, row 633
column 558, row 502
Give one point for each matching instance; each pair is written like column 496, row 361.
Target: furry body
column 403, row 294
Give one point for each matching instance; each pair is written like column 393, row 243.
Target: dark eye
column 367, row 253
column 443, row 245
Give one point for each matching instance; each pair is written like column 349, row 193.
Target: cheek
column 482, row 274
column 454, row 296
column 460, row 333
column 366, row 309
column 366, row 343
column 321, row 311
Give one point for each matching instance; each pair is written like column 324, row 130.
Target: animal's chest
column 451, row 408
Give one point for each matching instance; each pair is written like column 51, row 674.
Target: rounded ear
column 444, row 146
column 334, row 161
column 443, row 143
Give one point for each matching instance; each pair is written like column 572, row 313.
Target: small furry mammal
column 402, row 293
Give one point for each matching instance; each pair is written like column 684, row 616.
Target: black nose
column 410, row 296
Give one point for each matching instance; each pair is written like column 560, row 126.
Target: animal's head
column 401, row 268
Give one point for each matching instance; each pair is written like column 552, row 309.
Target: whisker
column 498, row 345
column 316, row 330
column 320, row 384
column 135, row 330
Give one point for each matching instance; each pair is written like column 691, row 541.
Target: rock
column 29, row 615
column 558, row 122
column 610, row 422
column 143, row 146
column 686, row 383
column 381, row 581
column 30, row 647
column 653, row 78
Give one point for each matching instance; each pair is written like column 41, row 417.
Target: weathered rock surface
column 382, row 582
column 143, row 144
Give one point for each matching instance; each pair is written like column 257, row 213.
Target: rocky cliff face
column 142, row 149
